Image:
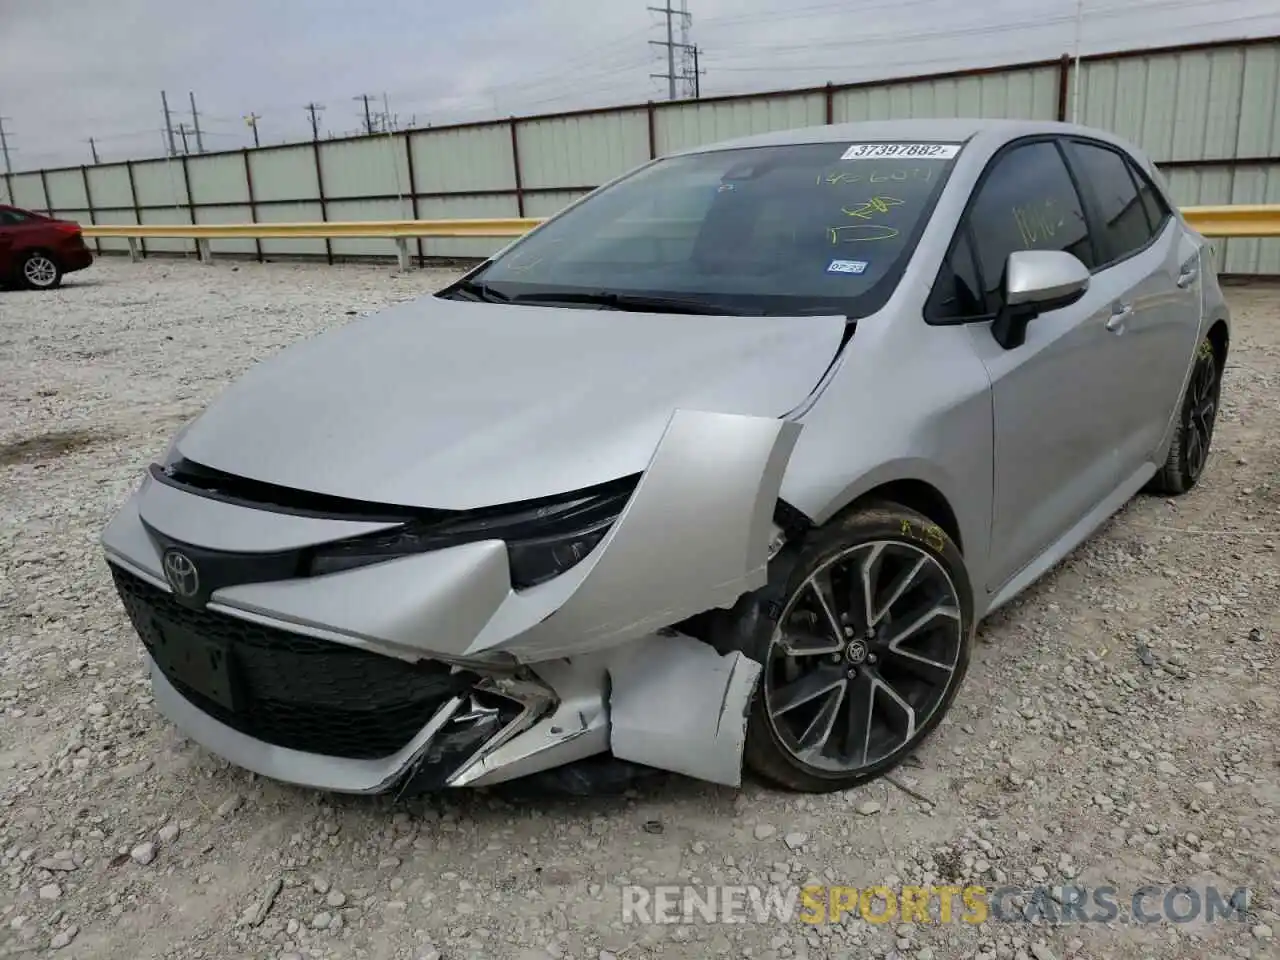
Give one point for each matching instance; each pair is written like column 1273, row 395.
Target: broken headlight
column 544, row 538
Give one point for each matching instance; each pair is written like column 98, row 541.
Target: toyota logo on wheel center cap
column 856, row 652
column 181, row 574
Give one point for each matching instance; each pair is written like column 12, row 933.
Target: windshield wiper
column 477, row 290
column 637, row 302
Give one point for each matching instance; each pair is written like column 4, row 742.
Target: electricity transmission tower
column 168, row 124
column 313, row 108
column 195, row 122
column 4, row 147
column 368, row 115
column 673, row 17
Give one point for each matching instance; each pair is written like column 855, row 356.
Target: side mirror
column 1035, row 282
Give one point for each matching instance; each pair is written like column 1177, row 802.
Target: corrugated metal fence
column 1208, row 114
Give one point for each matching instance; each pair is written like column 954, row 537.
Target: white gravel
column 1119, row 725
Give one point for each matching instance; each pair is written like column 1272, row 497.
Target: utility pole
column 368, row 117
column 195, row 122
column 93, row 149
column 311, row 108
column 182, row 131
column 671, row 44
column 252, row 120
column 4, row 147
column 168, row 124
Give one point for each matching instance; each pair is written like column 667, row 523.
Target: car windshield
column 820, row 228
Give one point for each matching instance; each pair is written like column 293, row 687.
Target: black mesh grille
column 284, row 688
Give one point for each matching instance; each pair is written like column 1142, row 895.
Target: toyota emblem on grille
column 181, row 574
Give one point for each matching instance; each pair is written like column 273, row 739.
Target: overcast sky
column 75, row 69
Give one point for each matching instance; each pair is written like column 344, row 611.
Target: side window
column 1157, row 210
column 958, row 290
column 1124, row 224
column 1027, row 201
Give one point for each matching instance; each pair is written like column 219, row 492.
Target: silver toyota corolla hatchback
column 720, row 465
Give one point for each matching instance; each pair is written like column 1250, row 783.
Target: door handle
column 1120, row 312
column 1187, row 277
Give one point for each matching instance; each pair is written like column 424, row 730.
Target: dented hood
column 455, row 405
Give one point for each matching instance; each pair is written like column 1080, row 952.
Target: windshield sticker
column 847, row 266
column 901, row 151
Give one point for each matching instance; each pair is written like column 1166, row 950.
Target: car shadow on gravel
column 49, row 446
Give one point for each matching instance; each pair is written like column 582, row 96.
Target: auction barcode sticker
column 901, row 151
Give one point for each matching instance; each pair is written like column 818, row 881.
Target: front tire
column 865, row 632
column 1189, row 451
column 40, row 271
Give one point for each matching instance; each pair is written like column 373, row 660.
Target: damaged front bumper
column 430, row 671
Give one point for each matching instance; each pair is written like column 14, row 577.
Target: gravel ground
column 1119, row 724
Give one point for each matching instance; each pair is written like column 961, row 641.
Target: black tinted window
column 958, row 291
column 1026, row 202
column 1152, row 202
column 11, row 217
column 1124, row 223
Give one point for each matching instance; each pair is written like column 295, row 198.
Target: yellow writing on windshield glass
column 877, row 175
column 864, row 232
column 1038, row 221
column 873, row 206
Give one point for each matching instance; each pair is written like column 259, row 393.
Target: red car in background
column 36, row 250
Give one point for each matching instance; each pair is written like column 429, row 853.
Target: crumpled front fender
column 693, row 536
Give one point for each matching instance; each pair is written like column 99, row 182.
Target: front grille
column 283, row 688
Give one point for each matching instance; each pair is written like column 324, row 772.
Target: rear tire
column 1193, row 436
column 864, row 631
column 40, row 271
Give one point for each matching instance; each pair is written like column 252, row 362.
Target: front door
column 1057, row 437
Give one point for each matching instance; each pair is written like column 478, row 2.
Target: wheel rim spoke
column 901, row 584
column 933, row 672
column 907, row 712
column 942, row 610
column 820, row 584
column 869, row 576
column 809, row 687
column 1193, row 450
column 818, row 732
column 859, row 702
column 802, row 644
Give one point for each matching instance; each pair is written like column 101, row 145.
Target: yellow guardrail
column 399, row 230
column 513, row 227
column 1237, row 220
column 1240, row 220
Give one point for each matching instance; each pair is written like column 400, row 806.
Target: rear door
column 1149, row 268
column 1052, row 396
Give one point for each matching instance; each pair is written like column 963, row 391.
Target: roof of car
column 924, row 130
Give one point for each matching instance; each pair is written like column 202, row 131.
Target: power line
column 867, row 39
